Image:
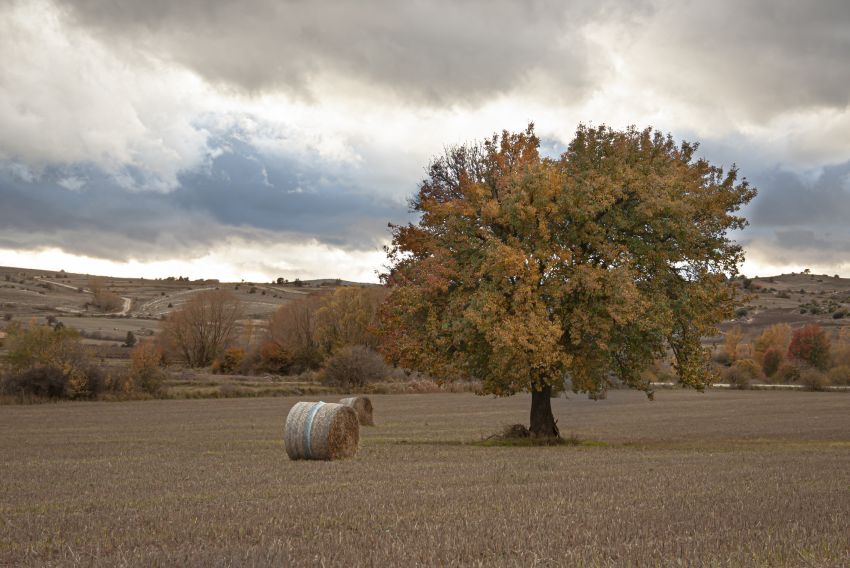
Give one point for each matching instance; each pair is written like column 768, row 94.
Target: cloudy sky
column 278, row 138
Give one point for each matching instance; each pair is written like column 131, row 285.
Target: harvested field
column 721, row 479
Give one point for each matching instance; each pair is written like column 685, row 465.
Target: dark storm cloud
column 240, row 194
column 437, row 52
column 800, row 220
column 760, row 56
column 789, row 200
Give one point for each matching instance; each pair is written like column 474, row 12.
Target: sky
column 263, row 139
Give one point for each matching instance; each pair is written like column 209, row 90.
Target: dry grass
column 722, row 479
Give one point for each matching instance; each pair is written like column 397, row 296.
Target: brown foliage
column 810, row 345
column 349, row 317
column 771, row 360
column 292, row 330
column 731, row 341
column 146, row 363
column 104, row 299
column 776, row 337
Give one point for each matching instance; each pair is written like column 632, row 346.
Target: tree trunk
column 542, row 420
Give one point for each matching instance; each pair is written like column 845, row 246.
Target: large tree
column 534, row 274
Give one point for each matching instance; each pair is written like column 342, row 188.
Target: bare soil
column 718, row 479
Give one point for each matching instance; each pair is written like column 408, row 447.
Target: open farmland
column 718, row 479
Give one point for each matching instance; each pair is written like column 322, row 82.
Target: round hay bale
column 321, row 431
column 363, row 406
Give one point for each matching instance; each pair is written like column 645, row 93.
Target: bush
column 840, row 376
column 146, row 368
column 722, row 358
column 274, row 359
column 230, row 361
column 813, row 379
column 49, row 381
column 130, row 340
column 787, row 374
column 810, row 345
column 742, row 373
column 354, row 367
column 771, row 360
column 41, row 381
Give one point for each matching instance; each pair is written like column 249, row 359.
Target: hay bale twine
column 321, row 431
column 363, row 406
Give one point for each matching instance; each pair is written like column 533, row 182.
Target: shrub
column 230, row 361
column 741, row 312
column 722, row 358
column 771, row 360
column 354, row 366
column 787, row 373
column 840, row 376
column 42, row 381
column 742, row 373
column 813, row 379
column 51, row 381
column 130, row 340
column 810, row 345
column 273, row 358
column 146, row 367
column 7, row 316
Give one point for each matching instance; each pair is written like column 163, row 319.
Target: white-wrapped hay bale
column 321, row 431
column 363, row 407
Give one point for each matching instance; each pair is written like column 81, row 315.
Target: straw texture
column 363, row 406
column 321, row 431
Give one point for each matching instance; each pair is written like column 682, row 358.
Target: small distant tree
column 104, row 299
column 146, row 362
column 810, row 345
column 771, row 360
column 775, row 337
column 130, row 340
column 731, row 341
column 205, row 325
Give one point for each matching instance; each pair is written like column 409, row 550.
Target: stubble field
column 717, row 479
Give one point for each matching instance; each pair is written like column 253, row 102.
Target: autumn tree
column 810, row 345
column 50, row 362
column 775, row 337
column 104, row 299
column 348, row 317
column 291, row 338
column 203, row 327
column 534, row 274
column 731, row 341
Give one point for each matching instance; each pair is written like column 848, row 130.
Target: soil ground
column 732, row 478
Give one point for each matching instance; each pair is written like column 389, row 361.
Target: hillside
column 28, row 293
column 795, row 299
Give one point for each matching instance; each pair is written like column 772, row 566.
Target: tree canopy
column 532, row 273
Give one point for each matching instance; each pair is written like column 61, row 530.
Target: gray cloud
column 801, row 220
column 760, row 57
column 240, row 194
column 438, row 52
